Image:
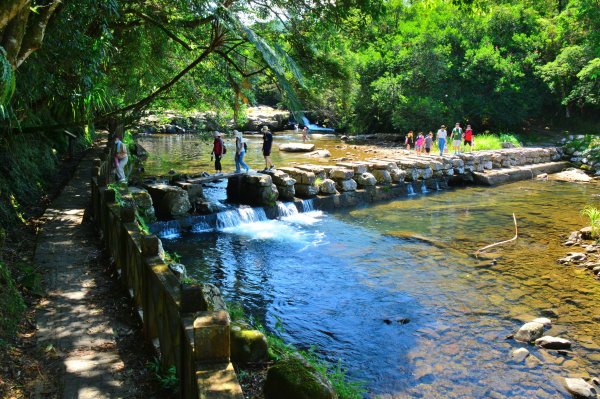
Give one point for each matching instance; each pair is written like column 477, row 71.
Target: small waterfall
column 308, row 205
column 201, row 226
column 424, row 188
column 242, row 215
column 167, row 230
column 287, row 209
column 410, row 189
column 437, row 185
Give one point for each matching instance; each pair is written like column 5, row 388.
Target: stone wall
column 188, row 325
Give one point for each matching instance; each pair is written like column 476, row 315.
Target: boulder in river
column 571, row 175
column 293, row 378
column 550, row 342
column 319, row 154
column 519, row 355
column 296, row 147
column 529, row 332
column 365, row 179
column 544, row 320
column 579, row 388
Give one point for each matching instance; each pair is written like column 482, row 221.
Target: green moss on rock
column 293, row 378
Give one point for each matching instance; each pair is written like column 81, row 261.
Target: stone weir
column 350, row 183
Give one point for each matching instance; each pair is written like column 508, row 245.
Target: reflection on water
column 188, row 153
column 334, row 278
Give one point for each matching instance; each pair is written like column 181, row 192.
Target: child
column 409, row 141
column 428, row 142
column 469, row 138
column 419, row 143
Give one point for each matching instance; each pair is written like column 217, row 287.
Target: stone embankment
column 172, row 122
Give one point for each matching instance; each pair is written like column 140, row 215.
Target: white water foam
column 287, row 209
column 424, row 188
column 410, row 189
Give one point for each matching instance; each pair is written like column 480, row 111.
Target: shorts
column 266, row 153
column 418, row 147
column 427, row 149
column 456, row 143
column 469, row 142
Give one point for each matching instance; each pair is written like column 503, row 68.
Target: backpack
column 245, row 146
column 224, row 148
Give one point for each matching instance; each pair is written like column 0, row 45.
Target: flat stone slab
column 296, row 147
column 507, row 175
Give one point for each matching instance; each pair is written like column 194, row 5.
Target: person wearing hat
column 266, row 147
column 218, row 152
column 441, row 138
column 240, row 151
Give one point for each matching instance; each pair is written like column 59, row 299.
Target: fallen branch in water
column 501, row 242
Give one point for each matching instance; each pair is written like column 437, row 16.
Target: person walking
column 409, row 141
column 419, row 143
column 428, row 142
column 218, row 151
column 441, row 139
column 456, row 136
column 240, row 151
column 266, row 148
column 121, row 156
column 469, row 137
column 304, row 134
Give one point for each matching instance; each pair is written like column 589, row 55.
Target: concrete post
column 211, row 337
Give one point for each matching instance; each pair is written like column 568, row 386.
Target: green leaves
column 7, row 82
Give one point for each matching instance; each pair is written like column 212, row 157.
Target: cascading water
column 308, row 205
column 437, row 185
column 287, row 209
column 242, row 215
column 424, row 188
column 409, row 189
column 167, row 230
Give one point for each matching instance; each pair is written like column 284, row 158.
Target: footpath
column 73, row 319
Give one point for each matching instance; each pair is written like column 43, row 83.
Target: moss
column 294, row 378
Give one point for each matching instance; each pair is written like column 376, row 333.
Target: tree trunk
column 13, row 35
column 8, row 10
column 567, row 111
column 35, row 33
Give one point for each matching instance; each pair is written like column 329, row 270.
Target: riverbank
column 34, row 366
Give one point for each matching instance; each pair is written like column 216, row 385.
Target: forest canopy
column 377, row 65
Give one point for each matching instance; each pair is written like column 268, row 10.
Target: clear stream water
column 332, row 279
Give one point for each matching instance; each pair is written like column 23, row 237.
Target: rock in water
column 571, row 175
column 518, row 355
column 296, row 147
column 529, row 332
column 550, row 342
column 580, row 389
column 293, row 378
column 543, row 320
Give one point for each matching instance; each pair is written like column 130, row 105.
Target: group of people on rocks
column 241, row 147
column 424, row 143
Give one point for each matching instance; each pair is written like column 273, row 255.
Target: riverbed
column 417, row 317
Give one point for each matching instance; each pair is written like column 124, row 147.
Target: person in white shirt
column 441, row 139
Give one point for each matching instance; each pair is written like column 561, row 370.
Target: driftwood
column 501, row 242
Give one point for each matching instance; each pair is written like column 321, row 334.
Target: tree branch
column 32, row 40
column 163, row 28
column 237, row 68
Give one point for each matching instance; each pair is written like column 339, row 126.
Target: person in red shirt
column 469, row 137
column 218, row 151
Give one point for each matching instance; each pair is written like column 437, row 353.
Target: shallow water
column 332, row 280
column 188, row 153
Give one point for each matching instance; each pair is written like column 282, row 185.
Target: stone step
column 517, row 173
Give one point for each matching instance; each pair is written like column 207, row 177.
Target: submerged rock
column 579, row 388
column 297, row 147
column 293, row 378
column 571, row 175
column 529, row 332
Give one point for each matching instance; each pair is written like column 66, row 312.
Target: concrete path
column 68, row 319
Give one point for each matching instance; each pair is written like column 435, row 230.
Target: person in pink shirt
column 420, row 143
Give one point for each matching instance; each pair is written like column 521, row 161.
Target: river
column 415, row 317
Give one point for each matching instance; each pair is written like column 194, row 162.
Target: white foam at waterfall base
column 170, row 233
column 286, row 229
column 424, row 188
column 242, row 215
column 410, row 189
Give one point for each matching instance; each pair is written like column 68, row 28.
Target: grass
column 593, row 214
column 482, row 142
column 11, row 305
column 278, row 349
